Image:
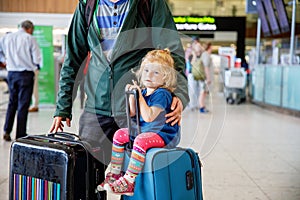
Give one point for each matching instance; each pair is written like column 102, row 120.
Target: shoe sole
column 7, row 138
column 100, row 188
column 108, row 189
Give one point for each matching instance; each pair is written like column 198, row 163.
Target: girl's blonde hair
column 164, row 58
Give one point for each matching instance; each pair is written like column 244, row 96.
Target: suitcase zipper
column 197, row 176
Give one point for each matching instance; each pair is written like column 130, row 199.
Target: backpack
column 144, row 10
column 198, row 70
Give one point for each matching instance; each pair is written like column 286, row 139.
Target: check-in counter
column 277, row 87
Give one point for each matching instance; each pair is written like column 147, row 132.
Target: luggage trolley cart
column 235, row 85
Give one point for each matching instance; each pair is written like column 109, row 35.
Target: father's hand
column 175, row 116
column 58, row 124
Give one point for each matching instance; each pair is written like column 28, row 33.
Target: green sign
column 189, row 19
column 46, row 78
column 189, row 23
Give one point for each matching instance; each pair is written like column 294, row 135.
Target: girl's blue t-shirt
column 161, row 98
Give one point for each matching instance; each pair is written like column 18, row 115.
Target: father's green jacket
column 105, row 81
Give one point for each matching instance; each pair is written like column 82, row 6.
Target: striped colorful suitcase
column 168, row 173
column 52, row 168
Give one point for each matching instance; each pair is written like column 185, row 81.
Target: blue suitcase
column 168, row 174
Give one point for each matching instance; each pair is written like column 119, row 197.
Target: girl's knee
column 141, row 142
column 121, row 136
column 140, row 139
column 146, row 141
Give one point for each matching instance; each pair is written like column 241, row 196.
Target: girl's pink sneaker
column 120, row 186
column 110, row 178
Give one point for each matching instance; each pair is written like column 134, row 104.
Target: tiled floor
column 247, row 152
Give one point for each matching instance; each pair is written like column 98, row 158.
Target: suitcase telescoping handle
column 133, row 134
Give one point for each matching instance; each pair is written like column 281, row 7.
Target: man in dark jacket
column 117, row 40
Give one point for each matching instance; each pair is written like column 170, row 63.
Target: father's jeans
column 20, row 90
column 97, row 131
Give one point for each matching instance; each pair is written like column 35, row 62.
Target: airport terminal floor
column 247, row 152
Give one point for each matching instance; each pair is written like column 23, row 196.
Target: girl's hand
column 130, row 87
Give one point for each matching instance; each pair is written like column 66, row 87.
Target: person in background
column 189, row 53
column 195, row 52
column 188, row 58
column 117, row 40
column 245, row 65
column 35, row 94
column 157, row 78
column 204, row 85
column 197, row 46
column 22, row 58
column 3, row 71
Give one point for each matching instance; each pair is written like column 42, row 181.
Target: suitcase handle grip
column 134, row 92
column 70, row 136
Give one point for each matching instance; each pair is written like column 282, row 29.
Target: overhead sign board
column 196, row 25
column 189, row 23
